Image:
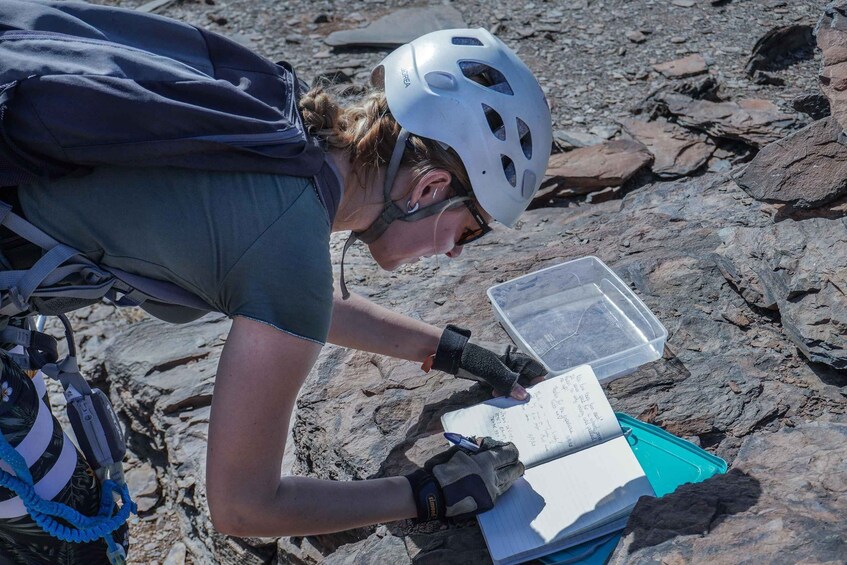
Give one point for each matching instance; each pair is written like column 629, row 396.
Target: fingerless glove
column 457, row 356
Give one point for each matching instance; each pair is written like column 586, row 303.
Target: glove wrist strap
column 428, row 497
column 450, row 347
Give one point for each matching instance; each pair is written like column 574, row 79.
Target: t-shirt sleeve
column 285, row 277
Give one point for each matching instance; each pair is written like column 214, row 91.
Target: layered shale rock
column 800, row 270
column 805, row 170
column 676, row 151
column 831, row 33
column 750, row 120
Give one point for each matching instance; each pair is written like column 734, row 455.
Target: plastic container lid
column 577, row 313
column 667, row 460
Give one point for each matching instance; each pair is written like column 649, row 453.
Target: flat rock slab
column 799, row 269
column 591, row 168
column 805, row 170
column 689, row 66
column 143, row 486
column 782, row 502
column 831, row 34
column 399, row 27
column 751, row 120
column 572, row 139
column 676, row 151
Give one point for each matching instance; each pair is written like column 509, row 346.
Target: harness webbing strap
column 25, row 229
column 29, row 339
column 18, row 286
column 53, row 279
column 21, row 285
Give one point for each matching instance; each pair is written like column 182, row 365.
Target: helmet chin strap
column 390, row 210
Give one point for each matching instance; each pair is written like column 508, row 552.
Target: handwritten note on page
column 565, row 413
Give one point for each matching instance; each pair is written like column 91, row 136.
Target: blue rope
column 44, row 512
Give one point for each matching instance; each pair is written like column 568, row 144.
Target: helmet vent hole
column 525, row 138
column 495, row 122
column 467, row 41
column 509, row 170
column 486, row 76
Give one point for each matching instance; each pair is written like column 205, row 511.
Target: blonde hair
column 367, row 131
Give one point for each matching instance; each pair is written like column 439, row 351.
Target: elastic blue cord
column 44, row 512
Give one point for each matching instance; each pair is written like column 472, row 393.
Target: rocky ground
column 744, row 267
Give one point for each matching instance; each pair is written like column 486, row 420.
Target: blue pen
column 461, row 441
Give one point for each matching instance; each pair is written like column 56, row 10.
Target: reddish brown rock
column 690, row 66
column 753, row 121
column 588, row 169
column 676, row 151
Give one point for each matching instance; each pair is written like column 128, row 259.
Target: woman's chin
column 392, row 263
column 399, row 262
column 388, row 264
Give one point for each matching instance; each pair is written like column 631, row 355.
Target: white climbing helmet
column 466, row 89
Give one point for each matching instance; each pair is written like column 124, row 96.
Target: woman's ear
column 430, row 189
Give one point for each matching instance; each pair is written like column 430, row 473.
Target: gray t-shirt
column 254, row 245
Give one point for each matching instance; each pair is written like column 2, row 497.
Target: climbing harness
column 45, row 512
column 100, row 439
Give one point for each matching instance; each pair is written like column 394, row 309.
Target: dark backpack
column 84, row 85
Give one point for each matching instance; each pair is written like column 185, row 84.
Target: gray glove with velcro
column 460, row 483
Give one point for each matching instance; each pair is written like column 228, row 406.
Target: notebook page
column 565, row 413
column 562, row 498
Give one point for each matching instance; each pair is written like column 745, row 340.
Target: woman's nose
column 455, row 252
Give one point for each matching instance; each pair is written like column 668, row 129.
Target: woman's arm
column 260, row 373
column 360, row 324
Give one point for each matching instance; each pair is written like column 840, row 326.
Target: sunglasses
column 472, row 234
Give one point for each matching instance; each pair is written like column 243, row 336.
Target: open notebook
column 582, row 478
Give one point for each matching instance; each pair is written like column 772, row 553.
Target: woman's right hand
column 460, row 483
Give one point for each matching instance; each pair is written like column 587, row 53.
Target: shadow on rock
column 829, row 211
column 424, row 430
column 829, row 375
column 694, row 509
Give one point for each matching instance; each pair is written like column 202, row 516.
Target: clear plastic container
column 578, row 313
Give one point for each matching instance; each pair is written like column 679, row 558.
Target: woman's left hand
column 506, row 374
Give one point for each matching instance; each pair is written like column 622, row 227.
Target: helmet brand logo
column 406, row 80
